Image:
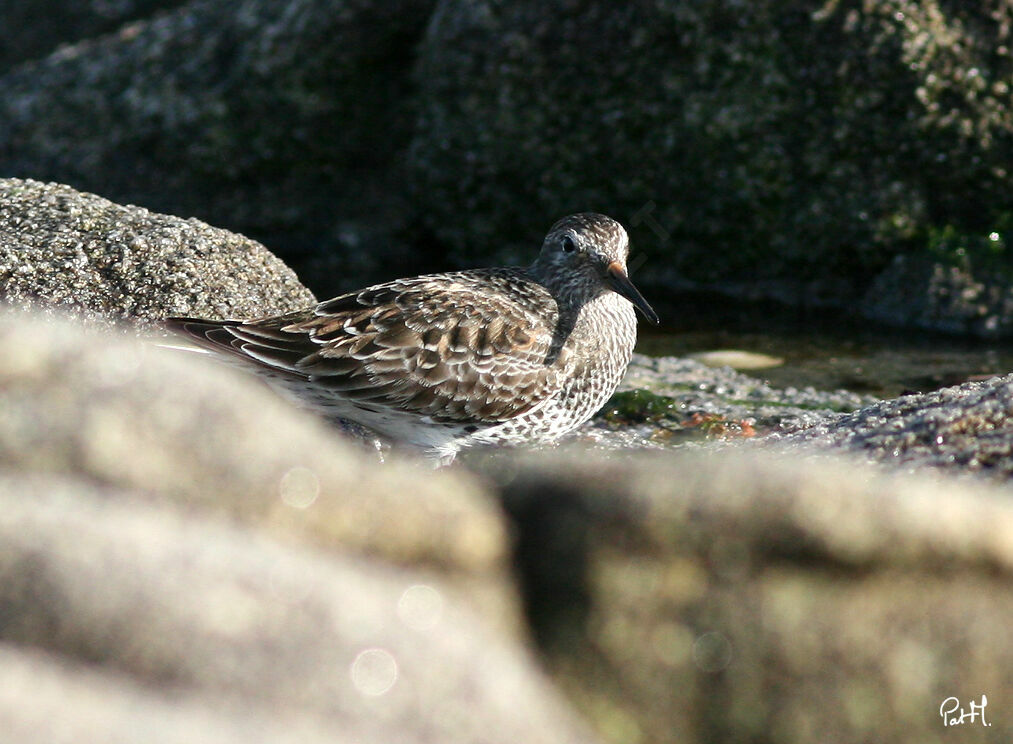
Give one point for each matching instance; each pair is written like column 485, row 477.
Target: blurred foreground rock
column 171, row 531
column 327, row 647
column 181, row 550
column 185, row 431
column 721, row 597
column 50, row 699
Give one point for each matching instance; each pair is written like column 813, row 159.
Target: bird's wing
column 441, row 346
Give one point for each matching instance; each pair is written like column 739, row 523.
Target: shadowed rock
column 33, row 30
column 284, row 121
column 781, row 149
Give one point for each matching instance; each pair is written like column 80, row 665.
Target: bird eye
column 568, row 243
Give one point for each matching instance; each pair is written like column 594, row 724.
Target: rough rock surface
column 964, row 429
column 79, row 253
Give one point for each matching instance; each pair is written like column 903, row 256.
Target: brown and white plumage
column 445, row 361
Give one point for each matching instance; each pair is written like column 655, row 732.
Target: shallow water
column 830, row 355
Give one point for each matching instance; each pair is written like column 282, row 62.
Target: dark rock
column 35, row 29
column 284, row 121
column 76, row 252
column 921, row 293
column 763, row 150
column 750, row 141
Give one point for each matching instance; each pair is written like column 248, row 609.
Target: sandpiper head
column 585, row 254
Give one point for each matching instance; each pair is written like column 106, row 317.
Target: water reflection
column 872, row 361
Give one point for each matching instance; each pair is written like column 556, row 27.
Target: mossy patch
column 987, row 251
column 640, row 406
column 670, row 417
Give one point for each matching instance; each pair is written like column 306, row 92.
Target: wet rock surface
column 666, row 401
column 965, row 429
column 734, row 394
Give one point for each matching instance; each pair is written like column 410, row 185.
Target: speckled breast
column 602, row 346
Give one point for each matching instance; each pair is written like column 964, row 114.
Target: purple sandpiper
column 448, row 361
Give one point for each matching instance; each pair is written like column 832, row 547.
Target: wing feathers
column 455, row 347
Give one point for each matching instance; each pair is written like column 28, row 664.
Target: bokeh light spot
column 420, row 607
column 299, row 487
column 374, row 672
